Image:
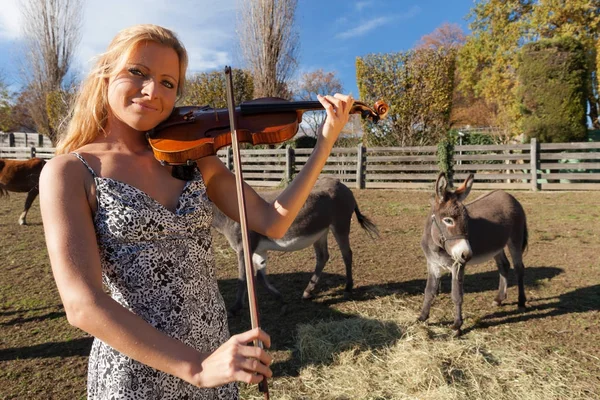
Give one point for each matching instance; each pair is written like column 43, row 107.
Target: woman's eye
column 448, row 221
column 135, row 71
column 168, row 84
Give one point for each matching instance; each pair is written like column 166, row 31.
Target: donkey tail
column 366, row 223
column 525, row 237
column 3, row 190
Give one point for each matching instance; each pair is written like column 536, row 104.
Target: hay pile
column 383, row 353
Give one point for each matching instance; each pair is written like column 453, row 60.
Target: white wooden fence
column 534, row 166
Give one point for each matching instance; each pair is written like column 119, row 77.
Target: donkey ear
column 441, row 186
column 463, row 190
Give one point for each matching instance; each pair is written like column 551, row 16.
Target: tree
column 467, row 109
column 488, row 61
column 5, row 106
column 552, row 90
column 579, row 19
column 417, row 85
column 19, row 114
column 308, row 86
column 446, row 36
column 269, row 44
column 52, row 32
column 209, row 88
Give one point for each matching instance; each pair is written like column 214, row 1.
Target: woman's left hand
column 337, row 108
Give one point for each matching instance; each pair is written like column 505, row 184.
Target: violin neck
column 264, row 108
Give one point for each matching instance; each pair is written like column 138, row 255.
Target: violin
column 193, row 132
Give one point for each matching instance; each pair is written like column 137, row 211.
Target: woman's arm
column 274, row 219
column 74, row 256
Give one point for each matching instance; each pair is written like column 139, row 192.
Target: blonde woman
column 130, row 244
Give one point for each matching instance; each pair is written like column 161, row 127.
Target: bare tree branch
column 269, row 44
column 308, row 87
column 52, row 33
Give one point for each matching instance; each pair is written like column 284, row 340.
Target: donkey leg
column 433, row 283
column 343, row 240
column 517, row 256
column 458, row 275
column 241, row 286
column 28, row 202
column 503, row 266
column 260, row 263
column 322, row 256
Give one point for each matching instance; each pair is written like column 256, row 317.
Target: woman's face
column 144, row 92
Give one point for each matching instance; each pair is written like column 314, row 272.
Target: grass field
column 367, row 347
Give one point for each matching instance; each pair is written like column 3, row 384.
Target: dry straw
column 382, row 353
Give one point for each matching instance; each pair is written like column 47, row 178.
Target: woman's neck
column 121, row 137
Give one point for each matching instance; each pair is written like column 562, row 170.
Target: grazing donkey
column 329, row 206
column 21, row 176
column 456, row 234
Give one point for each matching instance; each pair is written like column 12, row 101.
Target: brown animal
column 456, row 234
column 21, row 176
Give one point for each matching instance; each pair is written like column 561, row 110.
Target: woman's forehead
column 154, row 55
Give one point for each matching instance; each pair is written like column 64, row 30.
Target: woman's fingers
column 252, row 364
column 253, row 352
column 253, row 334
column 327, row 105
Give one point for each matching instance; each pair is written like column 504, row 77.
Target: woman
column 117, row 221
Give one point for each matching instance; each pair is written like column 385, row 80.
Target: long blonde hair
column 90, row 109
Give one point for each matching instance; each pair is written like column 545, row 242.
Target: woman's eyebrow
column 137, row 64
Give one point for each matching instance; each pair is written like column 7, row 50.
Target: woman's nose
column 149, row 88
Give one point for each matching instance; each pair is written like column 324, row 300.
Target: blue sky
column 332, row 32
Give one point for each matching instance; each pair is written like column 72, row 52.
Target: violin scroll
column 373, row 114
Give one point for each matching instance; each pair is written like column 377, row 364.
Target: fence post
column 40, row 140
column 229, row 158
column 360, row 166
column 534, row 162
column 32, row 154
column 290, row 165
column 11, row 139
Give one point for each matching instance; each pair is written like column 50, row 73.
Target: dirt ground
column 42, row 357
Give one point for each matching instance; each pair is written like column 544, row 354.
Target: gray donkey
column 456, row 234
column 330, row 205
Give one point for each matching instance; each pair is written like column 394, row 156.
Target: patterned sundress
column 160, row 265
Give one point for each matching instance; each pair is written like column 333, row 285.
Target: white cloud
column 205, row 27
column 367, row 26
column 362, row 4
column 364, row 27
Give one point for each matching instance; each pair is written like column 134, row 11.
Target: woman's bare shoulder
column 65, row 167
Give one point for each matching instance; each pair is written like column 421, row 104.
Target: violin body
column 193, row 132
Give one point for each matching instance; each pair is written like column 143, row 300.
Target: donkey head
column 450, row 219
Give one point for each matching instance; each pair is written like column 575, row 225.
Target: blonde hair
column 90, row 109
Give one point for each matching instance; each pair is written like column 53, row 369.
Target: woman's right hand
column 235, row 360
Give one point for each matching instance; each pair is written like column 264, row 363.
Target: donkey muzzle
column 461, row 251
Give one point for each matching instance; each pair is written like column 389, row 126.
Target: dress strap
column 85, row 163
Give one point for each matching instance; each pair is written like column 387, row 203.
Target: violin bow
column 249, row 268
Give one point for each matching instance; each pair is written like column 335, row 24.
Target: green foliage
column 488, row 59
column 5, row 108
column 57, row 109
column 470, row 139
column 303, row 142
column 552, row 91
column 209, row 88
column 445, row 156
column 417, row 85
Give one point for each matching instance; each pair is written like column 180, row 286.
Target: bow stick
column 249, row 268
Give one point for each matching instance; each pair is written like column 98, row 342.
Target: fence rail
column 534, row 166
